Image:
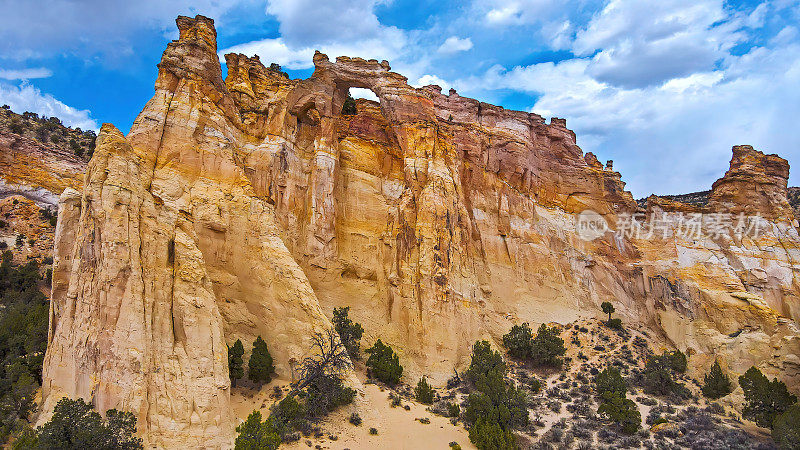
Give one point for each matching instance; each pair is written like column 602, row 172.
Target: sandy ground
column 397, row 427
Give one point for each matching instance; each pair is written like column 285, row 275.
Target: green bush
column 257, row 435
column 349, row 107
column 287, row 416
column 355, row 419
column 497, row 407
column 487, row 434
column 349, row 332
column 453, row 410
column 518, row 341
column 547, row 347
column 623, row 412
column 676, row 360
column 657, row 377
column 786, row 429
column 384, row 364
column 260, row 367
column 423, row 392
column 75, row 425
column 765, row 400
column 615, row 323
column 716, row 383
column 235, row 362
column 24, row 313
column 609, row 383
column 325, row 394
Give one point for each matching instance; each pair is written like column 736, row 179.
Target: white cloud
column 336, row 28
column 301, row 57
column 674, row 137
column 636, row 44
column 28, row 98
column 25, row 74
column 453, row 44
column 518, row 12
column 363, row 93
column 426, row 80
column 44, row 28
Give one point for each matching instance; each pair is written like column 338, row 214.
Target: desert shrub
column 75, row 425
column 383, row 363
column 349, row 106
column 534, row 384
column 373, row 431
column 349, row 332
column 326, row 393
column 786, row 428
column 547, row 347
column 287, row 416
column 235, row 362
column 257, row 435
column 453, row 410
column 615, row 323
column 676, row 360
column 518, row 341
column 260, row 367
column 765, row 399
column 716, row 383
column 423, row 392
column 355, row 419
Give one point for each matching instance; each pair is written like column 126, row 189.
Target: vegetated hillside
column 49, row 132
column 693, row 198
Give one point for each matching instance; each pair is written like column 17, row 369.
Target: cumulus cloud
column 674, row 137
column 42, row 28
column 453, row 44
column 637, row 44
column 363, row 93
column 25, row 74
column 26, row 97
column 426, row 80
column 336, row 28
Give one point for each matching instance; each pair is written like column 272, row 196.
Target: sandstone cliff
column 250, row 206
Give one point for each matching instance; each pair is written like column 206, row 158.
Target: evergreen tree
column 547, row 347
column 349, row 107
column 518, row 341
column 423, row 392
column 786, row 429
column 607, row 308
column 609, row 383
column 384, row 364
column 623, row 412
column 716, row 383
column 260, row 367
column 349, row 332
column 765, row 399
column 235, row 362
column 256, row 435
column 75, row 425
column 487, row 434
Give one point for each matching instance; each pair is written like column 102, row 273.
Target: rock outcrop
column 251, row 206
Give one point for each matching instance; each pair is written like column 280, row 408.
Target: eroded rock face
column 251, row 206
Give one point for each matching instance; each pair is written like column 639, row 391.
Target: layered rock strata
column 251, row 206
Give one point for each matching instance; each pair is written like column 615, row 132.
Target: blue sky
column 664, row 88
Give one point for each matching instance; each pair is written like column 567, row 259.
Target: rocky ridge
column 250, row 206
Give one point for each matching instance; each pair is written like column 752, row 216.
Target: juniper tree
column 260, row 367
